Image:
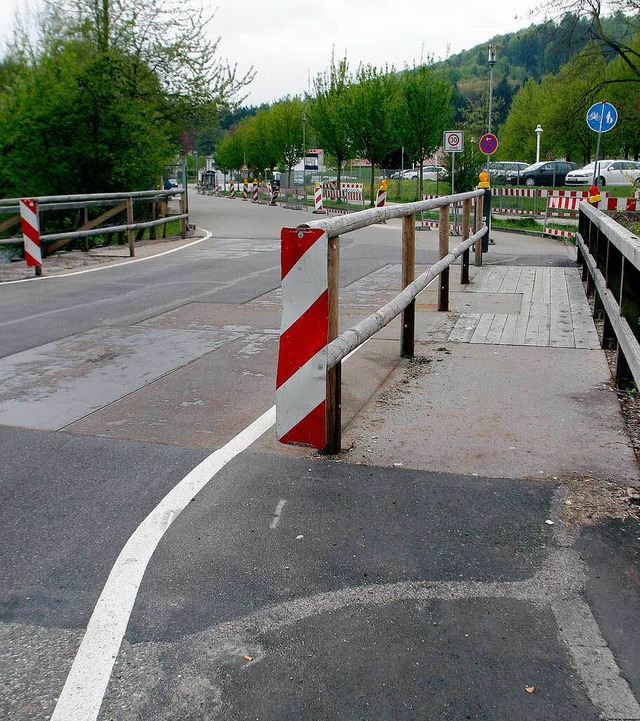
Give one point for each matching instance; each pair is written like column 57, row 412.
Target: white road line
column 107, row 267
column 89, row 676
column 86, row 684
column 276, row 515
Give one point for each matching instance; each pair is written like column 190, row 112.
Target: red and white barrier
column 31, row 232
column 301, row 385
column 347, row 191
column 232, row 189
column 381, row 198
column 254, row 192
column 245, row 190
column 630, row 205
column 318, row 200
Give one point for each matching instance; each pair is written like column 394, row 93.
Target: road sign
column 453, row 141
column 549, row 155
column 601, row 117
column 488, row 143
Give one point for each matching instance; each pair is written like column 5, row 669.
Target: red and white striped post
column 301, row 384
column 381, row 196
column 318, row 199
column 232, row 189
column 254, row 191
column 245, row 190
column 31, row 233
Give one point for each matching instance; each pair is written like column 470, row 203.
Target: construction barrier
column 245, row 190
column 301, row 385
column 31, row 233
column 347, row 191
column 455, row 227
column 254, row 192
column 232, row 189
column 381, row 197
column 318, row 200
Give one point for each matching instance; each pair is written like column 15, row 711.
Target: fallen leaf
column 248, row 658
column 530, row 689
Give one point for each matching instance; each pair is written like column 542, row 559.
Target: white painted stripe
column 305, row 282
column 29, row 216
column 87, row 681
column 276, row 516
column 108, row 266
column 30, row 248
column 301, row 393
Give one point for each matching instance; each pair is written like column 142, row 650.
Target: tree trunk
column 373, row 172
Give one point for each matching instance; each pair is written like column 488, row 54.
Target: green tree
column 622, row 44
column 285, row 127
column 102, row 102
column 327, row 111
column 423, row 113
column 370, row 114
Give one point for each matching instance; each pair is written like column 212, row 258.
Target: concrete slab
column 520, row 412
column 55, row 384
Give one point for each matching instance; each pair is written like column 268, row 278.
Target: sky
column 288, row 42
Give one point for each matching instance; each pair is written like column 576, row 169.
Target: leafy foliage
column 103, row 102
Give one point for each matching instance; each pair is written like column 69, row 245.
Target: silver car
column 608, row 172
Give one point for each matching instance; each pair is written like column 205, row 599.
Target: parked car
column 609, row 172
column 547, row 172
column 429, row 172
column 500, row 169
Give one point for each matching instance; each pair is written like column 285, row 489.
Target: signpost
column 453, row 143
column 601, row 117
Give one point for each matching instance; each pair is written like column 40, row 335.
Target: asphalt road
column 290, row 586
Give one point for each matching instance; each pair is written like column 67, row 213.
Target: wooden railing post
column 478, row 244
column 443, row 237
column 407, row 340
column 183, row 221
column 130, row 233
column 334, row 375
column 466, row 225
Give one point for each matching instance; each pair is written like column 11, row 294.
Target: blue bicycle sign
column 601, row 117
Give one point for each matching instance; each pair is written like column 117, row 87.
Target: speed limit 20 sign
column 453, row 141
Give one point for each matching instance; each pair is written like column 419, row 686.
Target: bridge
column 470, row 553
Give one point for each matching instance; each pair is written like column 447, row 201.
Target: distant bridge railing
column 102, row 207
column 610, row 256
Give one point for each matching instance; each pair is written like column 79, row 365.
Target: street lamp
column 492, row 62
column 538, row 131
column 304, row 159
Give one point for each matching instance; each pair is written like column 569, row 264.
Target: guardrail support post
column 334, row 375
column 408, row 276
column 183, row 221
column 466, row 225
column 130, row 233
column 443, row 237
column 478, row 245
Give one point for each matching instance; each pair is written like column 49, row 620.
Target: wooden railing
column 317, row 363
column 107, row 205
column 610, row 256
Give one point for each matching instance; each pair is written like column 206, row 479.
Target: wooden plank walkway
column 554, row 311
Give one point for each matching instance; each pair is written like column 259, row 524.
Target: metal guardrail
column 610, row 257
column 115, row 202
column 308, row 397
